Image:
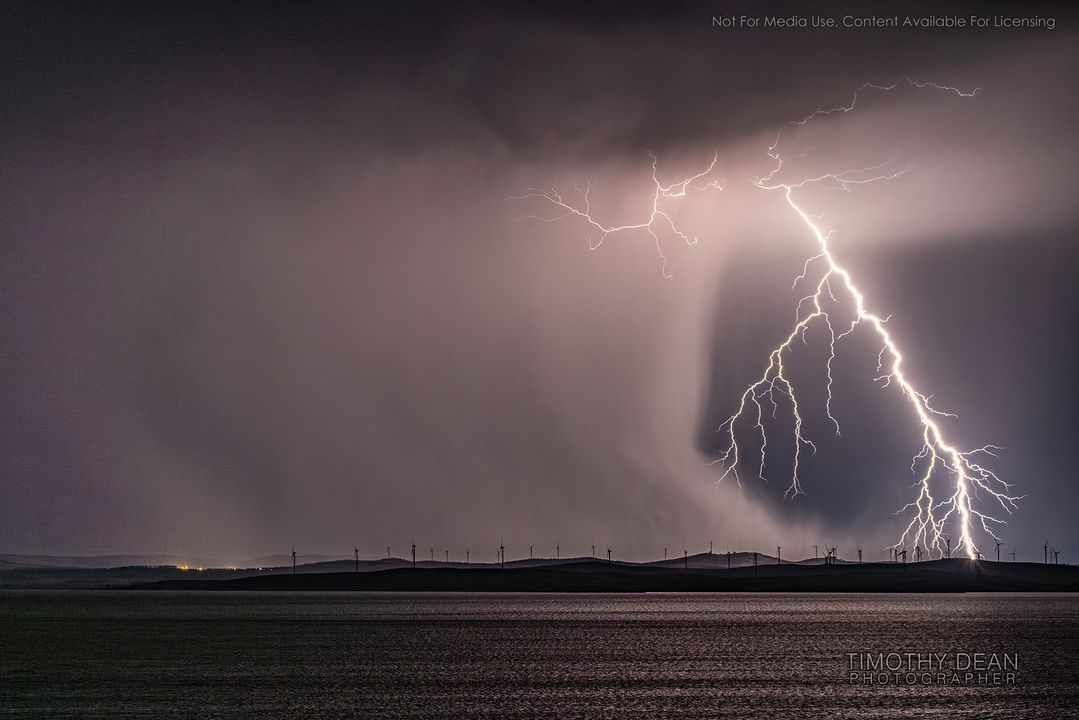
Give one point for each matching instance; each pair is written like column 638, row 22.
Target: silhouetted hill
column 720, row 561
column 597, row 576
column 95, row 578
column 13, row 561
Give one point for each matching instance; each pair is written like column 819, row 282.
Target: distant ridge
column 39, row 571
column 11, row 561
column 338, row 563
column 597, row 576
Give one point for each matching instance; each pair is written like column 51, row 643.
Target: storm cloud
column 264, row 282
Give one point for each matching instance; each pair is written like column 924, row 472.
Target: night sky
column 263, row 281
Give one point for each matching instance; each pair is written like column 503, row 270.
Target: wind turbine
column 998, row 550
column 779, row 555
column 948, row 544
column 356, row 552
column 293, row 559
column 859, row 554
column 1045, row 552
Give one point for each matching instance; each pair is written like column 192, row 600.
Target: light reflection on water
column 109, row 654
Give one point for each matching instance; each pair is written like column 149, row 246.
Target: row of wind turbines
column 831, row 554
column 895, row 554
column 1051, row 556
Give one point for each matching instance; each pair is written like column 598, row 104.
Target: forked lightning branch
column 835, row 303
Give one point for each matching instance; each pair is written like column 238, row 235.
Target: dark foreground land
column 948, row 576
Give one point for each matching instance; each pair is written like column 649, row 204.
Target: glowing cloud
column 839, row 306
column 580, row 205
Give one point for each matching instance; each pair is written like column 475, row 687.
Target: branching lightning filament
column 579, row 204
column 833, row 287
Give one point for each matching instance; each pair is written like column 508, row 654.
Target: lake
column 370, row 655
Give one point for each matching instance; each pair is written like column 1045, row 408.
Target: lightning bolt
column 937, row 454
column 579, row 204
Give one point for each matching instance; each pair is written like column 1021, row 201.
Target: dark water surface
column 151, row 655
